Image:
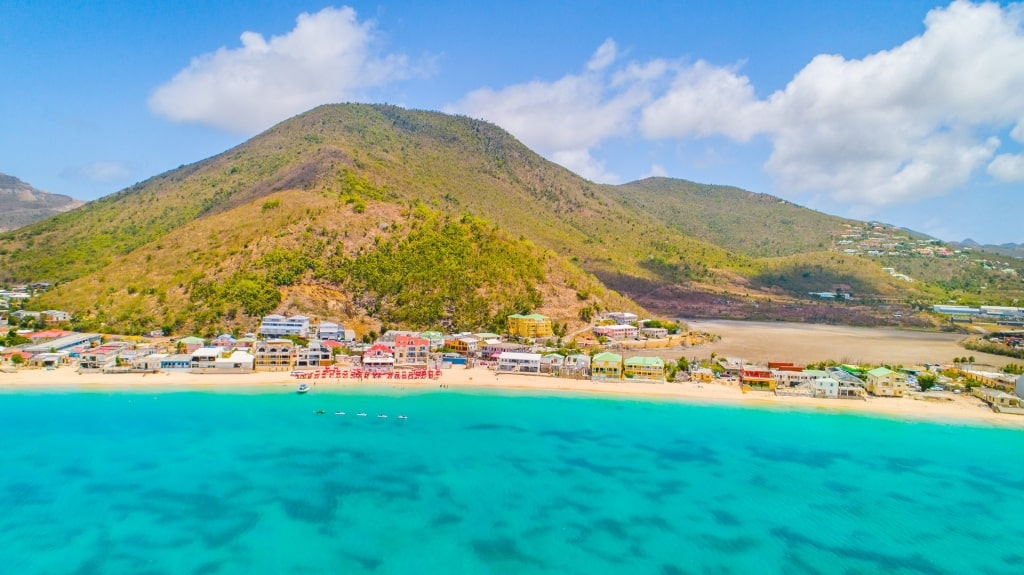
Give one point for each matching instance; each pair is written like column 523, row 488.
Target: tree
column 926, row 381
column 682, row 364
column 17, row 359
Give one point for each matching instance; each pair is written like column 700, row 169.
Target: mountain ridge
column 22, row 204
column 299, row 218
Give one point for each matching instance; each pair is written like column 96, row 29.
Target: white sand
column 952, row 410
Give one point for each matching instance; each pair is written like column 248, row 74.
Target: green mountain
column 21, row 204
column 380, row 215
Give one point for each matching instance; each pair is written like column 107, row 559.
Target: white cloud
column 1007, row 168
column 581, row 162
column 604, row 56
column 328, row 57
column 894, row 127
column 704, row 100
column 656, row 171
column 565, row 118
column 98, row 172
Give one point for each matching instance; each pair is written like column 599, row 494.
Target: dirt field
column 804, row 343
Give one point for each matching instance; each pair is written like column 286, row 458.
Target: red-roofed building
column 378, row 358
column 411, row 350
column 47, row 335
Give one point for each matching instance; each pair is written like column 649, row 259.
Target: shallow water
column 240, row 482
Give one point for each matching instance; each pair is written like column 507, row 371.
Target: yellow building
column 606, row 365
column 886, row 382
column 533, row 325
column 650, row 368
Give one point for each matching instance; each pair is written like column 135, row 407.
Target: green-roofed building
column 435, row 338
column 532, row 326
column 606, row 365
column 641, row 367
column 886, row 382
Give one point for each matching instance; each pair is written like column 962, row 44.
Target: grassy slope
column 353, row 176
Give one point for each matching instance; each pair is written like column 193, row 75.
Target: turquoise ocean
column 238, row 481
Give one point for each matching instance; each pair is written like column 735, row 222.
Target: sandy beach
column 945, row 408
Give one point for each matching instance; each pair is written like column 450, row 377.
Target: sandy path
column 805, row 343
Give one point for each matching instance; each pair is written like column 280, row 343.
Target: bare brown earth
column 752, row 305
column 807, row 343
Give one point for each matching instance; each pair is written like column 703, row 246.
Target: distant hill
column 387, row 217
column 21, row 204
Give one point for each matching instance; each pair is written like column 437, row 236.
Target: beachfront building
column 204, row 358
column 411, row 350
column 218, row 360
column 378, row 358
column 577, row 365
column 1001, row 401
column 313, row 354
column 518, row 362
column 464, row 345
column 618, row 331
column 273, row 354
column 646, row 368
column 606, row 365
column 176, row 362
column 702, row 374
column 757, row 377
column 552, row 362
column 65, row 343
column 277, row 326
column 885, row 382
column 530, row 326
column 491, row 350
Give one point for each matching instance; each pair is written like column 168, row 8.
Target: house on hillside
column 55, row 316
column 277, row 326
column 618, row 331
column 529, row 326
column 885, row 382
column 191, row 343
column 622, row 317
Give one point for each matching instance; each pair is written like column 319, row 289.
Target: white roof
column 519, row 356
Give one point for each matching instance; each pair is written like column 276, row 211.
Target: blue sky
column 907, row 112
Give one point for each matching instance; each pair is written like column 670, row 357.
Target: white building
column 512, row 361
column 622, row 317
column 328, row 330
column 278, row 325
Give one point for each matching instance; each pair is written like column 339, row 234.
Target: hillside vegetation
column 380, row 215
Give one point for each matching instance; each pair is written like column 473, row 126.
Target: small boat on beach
column 303, row 388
